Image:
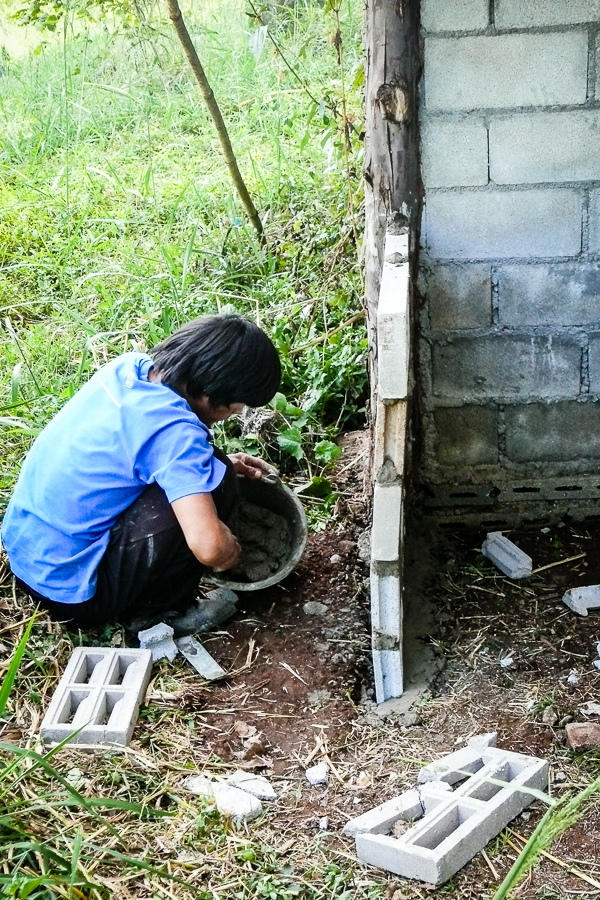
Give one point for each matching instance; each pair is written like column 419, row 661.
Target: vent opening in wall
column 526, row 490
column 569, row 487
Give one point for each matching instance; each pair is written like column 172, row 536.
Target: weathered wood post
column 392, row 201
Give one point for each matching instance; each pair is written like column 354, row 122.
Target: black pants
column 148, row 570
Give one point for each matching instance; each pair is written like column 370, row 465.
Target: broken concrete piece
column 257, row 785
column 231, row 801
column 379, row 820
column 318, row 774
column 583, row 735
column 483, row 740
column 314, row 608
column 581, row 599
column 549, row 716
column 323, row 823
column 590, row 708
column 198, row 784
column 159, row 640
column 200, row 658
column 509, row 558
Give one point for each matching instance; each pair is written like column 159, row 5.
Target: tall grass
column 120, row 222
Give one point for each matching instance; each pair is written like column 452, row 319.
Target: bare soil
column 300, row 690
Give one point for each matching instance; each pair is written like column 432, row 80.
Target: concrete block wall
column 509, row 362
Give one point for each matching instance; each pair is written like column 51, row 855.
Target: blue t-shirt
column 118, row 434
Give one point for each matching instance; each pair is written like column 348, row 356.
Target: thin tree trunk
column 213, row 108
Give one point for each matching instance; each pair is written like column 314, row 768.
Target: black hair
column 226, row 358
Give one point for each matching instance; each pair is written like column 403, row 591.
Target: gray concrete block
column 454, row 15
column 466, row 436
column 459, row 825
column 380, row 819
column 454, row 766
column 454, row 152
column 506, row 71
column 509, row 366
column 459, row 294
column 595, row 218
column 98, row 696
column 386, row 612
column 542, row 432
column 503, row 224
column 580, row 599
column 393, row 334
column 536, row 13
column 542, row 147
column 550, row 294
column 387, row 520
column 509, row 558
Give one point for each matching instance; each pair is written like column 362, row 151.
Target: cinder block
column 459, row 825
column 454, row 15
column 393, row 335
column 595, row 217
column 507, row 366
column 459, row 294
column 454, row 766
column 506, row 71
column 390, row 441
column 548, row 432
column 386, row 612
column 99, row 696
column 406, row 807
column 594, row 363
column 552, row 294
column 539, row 147
column 504, row 224
column 454, row 152
column 509, row 558
column 536, row 13
column 387, row 521
column 466, row 436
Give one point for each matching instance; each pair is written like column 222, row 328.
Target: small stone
column 357, row 800
column 583, row 735
column 323, row 824
column 560, row 777
column 335, row 559
column 573, row 678
column 590, row 708
column 314, row 608
column 257, row 785
column 318, row 774
column 549, row 716
column 507, row 662
column 596, row 663
column 580, row 599
column 544, row 531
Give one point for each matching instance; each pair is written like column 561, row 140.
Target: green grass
column 120, row 223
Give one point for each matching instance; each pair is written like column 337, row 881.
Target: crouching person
column 123, row 501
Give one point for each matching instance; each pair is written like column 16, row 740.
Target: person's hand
column 251, row 466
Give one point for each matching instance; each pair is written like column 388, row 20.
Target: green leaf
column 327, row 451
column 316, row 487
column 290, row 441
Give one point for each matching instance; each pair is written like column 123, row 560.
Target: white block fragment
column 200, row 658
column 98, row 697
column 509, row 558
column 581, row 599
column 159, row 640
column 236, row 804
column 318, row 774
column 257, row 785
column 198, row 784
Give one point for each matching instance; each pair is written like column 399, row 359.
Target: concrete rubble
column 451, row 825
column 509, row 558
column 257, row 785
column 159, row 640
column 231, row 801
column 582, row 599
column 200, row 658
column 318, row 774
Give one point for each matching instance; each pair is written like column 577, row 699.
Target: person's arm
column 209, row 539
column 251, row 466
